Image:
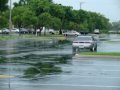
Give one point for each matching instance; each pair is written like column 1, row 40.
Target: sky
column 108, row 8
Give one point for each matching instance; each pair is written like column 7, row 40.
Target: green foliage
column 3, row 22
column 50, row 37
column 115, row 25
column 42, row 69
column 101, row 53
column 45, row 19
column 23, row 17
column 3, row 5
column 45, row 13
column 31, row 71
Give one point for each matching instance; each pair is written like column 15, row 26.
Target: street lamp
column 81, row 3
column 10, row 16
column 10, row 28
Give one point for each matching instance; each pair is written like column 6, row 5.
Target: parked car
column 85, row 42
column 24, row 31
column 96, row 31
column 15, row 30
column 0, row 31
column 84, row 32
column 5, row 31
column 71, row 33
column 51, row 31
column 47, row 31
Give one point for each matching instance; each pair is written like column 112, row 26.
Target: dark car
column 23, row 31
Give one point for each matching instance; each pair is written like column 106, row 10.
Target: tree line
column 45, row 13
column 115, row 25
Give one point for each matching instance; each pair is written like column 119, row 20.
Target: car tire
column 76, row 35
column 92, row 49
column 75, row 50
column 95, row 49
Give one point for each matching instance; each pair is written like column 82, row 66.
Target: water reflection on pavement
column 77, row 73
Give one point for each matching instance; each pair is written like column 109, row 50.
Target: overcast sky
column 109, row 8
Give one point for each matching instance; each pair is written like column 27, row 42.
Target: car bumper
column 82, row 46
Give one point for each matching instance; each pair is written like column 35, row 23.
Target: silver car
column 71, row 33
column 85, row 42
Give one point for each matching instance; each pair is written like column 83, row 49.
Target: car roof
column 85, row 36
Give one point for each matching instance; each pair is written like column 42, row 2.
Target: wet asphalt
column 78, row 73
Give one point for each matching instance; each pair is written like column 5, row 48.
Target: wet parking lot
column 71, row 72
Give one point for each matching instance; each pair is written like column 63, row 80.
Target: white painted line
column 78, row 76
column 100, row 65
column 66, row 85
column 96, row 56
column 97, row 69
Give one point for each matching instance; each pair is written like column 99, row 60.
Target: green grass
column 101, row 53
column 48, row 37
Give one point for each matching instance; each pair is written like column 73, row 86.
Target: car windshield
column 87, row 38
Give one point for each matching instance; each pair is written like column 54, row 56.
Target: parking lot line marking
column 66, row 85
column 78, row 76
column 100, row 65
column 6, row 76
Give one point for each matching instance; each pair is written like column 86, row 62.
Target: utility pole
column 10, row 16
column 10, row 28
column 81, row 3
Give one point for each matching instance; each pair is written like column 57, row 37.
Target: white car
column 50, row 31
column 71, row 33
column 96, row 31
column 0, row 31
column 5, row 31
column 15, row 30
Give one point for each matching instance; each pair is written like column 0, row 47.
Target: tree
column 115, row 25
column 50, row 15
column 24, row 17
column 44, row 21
column 55, row 23
column 3, row 5
column 3, row 22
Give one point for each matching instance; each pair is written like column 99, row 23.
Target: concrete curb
column 95, row 56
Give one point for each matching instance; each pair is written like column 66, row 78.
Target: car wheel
column 75, row 50
column 76, row 35
column 95, row 49
column 92, row 49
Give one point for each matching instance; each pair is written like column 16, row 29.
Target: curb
column 95, row 56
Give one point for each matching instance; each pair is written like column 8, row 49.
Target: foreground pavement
column 81, row 74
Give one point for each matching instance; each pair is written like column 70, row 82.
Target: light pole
column 10, row 16
column 10, row 28
column 81, row 3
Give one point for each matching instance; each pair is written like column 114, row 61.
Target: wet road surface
column 78, row 73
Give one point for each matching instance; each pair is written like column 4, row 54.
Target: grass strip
column 101, row 53
column 47, row 37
